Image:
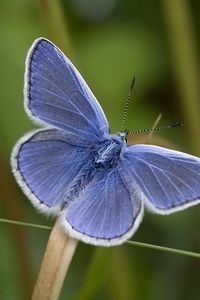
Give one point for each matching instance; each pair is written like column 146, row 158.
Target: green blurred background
column 109, row 41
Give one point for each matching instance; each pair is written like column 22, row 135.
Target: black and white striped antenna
column 152, row 129
column 127, row 103
column 156, row 128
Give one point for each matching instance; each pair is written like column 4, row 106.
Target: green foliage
column 154, row 41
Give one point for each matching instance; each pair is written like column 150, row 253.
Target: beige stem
column 56, row 261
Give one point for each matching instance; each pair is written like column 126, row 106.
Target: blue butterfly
column 76, row 169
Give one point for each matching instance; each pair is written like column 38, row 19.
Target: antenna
column 127, row 103
column 157, row 128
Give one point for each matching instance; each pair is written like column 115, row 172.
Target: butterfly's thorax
column 108, row 152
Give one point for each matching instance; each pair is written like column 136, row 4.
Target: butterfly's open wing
column 56, row 94
column 45, row 163
column 107, row 212
column 170, row 180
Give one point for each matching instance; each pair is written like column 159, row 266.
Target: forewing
column 56, row 94
column 107, row 212
column 170, row 180
column 45, row 163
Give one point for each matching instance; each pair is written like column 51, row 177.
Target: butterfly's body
column 92, row 180
column 104, row 155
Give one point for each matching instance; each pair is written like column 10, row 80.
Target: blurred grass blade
column 97, row 274
column 55, row 24
column 179, row 24
column 123, row 283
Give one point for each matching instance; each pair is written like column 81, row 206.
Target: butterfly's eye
column 126, row 136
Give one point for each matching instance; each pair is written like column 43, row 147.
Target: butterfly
column 75, row 169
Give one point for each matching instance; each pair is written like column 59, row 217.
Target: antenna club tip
column 132, row 82
column 177, row 125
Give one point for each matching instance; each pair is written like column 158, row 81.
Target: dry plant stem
column 58, row 255
column 153, row 127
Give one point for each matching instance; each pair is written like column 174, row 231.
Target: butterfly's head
column 119, row 138
column 122, row 135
